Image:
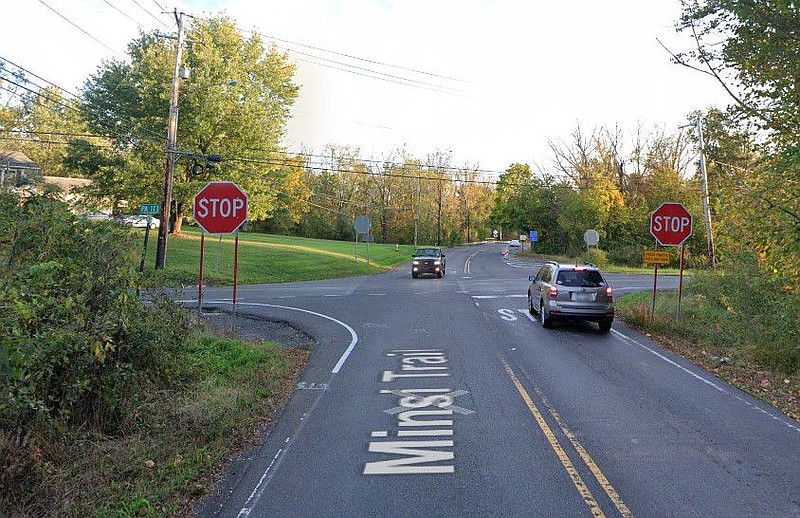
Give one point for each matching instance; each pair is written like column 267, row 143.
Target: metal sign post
column 680, row 287
column 150, row 210
column 655, row 287
column 200, row 281
column 235, row 276
column 671, row 225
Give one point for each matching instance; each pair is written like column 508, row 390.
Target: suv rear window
column 582, row 278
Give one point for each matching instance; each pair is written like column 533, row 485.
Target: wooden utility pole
column 172, row 138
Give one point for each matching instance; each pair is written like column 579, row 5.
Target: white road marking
column 507, row 315
column 499, row 296
column 256, row 494
column 353, row 335
column 527, row 314
column 628, row 339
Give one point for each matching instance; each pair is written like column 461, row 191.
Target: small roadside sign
column 362, row 225
column 591, row 237
column 534, row 236
column 150, row 209
column 656, row 257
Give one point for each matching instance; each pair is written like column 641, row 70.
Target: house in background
column 17, row 170
column 20, row 174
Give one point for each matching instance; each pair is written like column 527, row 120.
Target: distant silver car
column 566, row 291
column 139, row 221
column 96, row 216
column 514, row 243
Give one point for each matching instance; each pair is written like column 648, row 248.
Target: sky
column 491, row 81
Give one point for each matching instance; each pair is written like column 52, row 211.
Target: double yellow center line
column 576, row 478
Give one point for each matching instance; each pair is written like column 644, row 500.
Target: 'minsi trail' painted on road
column 421, row 429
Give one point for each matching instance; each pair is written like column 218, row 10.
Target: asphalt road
column 444, row 397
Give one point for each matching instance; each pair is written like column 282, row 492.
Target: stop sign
column 220, row 207
column 671, row 224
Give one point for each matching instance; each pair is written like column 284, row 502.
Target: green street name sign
column 152, row 209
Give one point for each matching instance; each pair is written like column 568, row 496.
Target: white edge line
column 353, row 335
column 499, row 296
column 255, row 496
column 681, row 367
column 527, row 314
column 776, row 418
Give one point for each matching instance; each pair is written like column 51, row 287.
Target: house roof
column 16, row 159
column 66, row 184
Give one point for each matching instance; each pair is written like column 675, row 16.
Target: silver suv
column 566, row 291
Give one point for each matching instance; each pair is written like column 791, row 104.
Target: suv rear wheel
column 605, row 325
column 544, row 318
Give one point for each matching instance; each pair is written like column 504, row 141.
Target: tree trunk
column 176, row 229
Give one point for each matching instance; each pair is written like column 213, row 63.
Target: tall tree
column 758, row 41
column 243, row 123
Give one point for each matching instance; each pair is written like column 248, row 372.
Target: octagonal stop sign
column 220, row 208
column 671, row 224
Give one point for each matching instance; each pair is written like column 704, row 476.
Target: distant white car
column 96, row 216
column 139, row 221
column 514, row 243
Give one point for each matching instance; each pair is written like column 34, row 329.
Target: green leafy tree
column 755, row 42
column 242, row 122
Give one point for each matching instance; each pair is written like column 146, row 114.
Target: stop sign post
column 671, row 225
column 220, row 208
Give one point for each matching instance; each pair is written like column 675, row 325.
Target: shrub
column 757, row 313
column 628, row 255
column 76, row 341
column 597, row 257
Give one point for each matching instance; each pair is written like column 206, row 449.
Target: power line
column 38, row 77
column 433, row 88
column 123, row 13
column 401, row 164
column 60, row 142
column 77, row 26
column 413, row 81
column 375, row 62
column 149, row 13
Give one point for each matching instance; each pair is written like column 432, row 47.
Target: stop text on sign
column 219, row 207
column 671, row 223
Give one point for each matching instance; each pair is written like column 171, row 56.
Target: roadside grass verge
column 736, row 324
column 268, row 258
column 177, row 439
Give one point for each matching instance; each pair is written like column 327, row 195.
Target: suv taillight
column 553, row 292
column 610, row 294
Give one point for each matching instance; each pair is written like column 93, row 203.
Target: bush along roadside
column 738, row 323
column 108, row 405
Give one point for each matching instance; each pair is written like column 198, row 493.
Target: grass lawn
column 268, row 258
